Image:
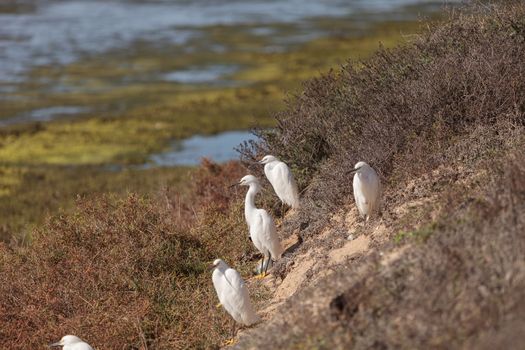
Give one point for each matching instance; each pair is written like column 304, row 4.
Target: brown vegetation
column 126, row 274
column 443, row 121
column 404, row 110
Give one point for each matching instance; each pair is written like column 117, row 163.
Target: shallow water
column 53, row 34
column 44, row 114
column 198, row 75
column 60, row 32
column 219, row 148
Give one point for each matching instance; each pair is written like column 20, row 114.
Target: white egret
column 71, row 342
column 282, row 180
column 261, row 225
column 366, row 189
column 233, row 294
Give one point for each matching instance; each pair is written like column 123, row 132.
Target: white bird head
column 218, row 263
column 249, row 180
column 268, row 159
column 359, row 167
column 67, row 340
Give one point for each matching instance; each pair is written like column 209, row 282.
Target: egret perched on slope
column 261, row 225
column 366, row 189
column 71, row 342
column 282, row 180
column 233, row 294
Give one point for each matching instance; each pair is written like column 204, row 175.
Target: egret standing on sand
column 71, row 342
column 366, row 189
column 282, row 180
column 261, row 225
column 233, row 294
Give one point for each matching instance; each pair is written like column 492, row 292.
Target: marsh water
column 46, row 32
column 42, row 40
column 220, row 148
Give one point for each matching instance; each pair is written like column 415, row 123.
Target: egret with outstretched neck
column 261, row 225
column 71, row 342
column 366, row 189
column 282, row 180
column 233, row 295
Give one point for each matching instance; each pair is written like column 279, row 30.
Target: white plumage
column 282, row 180
column 366, row 189
column 233, row 294
column 71, row 342
column 261, row 225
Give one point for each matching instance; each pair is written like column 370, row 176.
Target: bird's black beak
column 261, row 161
column 233, row 185
column 210, row 267
column 54, row 345
column 353, row 171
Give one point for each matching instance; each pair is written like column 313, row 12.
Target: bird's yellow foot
column 218, row 305
column 230, row 342
column 261, row 275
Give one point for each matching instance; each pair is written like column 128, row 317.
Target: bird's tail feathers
column 278, row 254
column 251, row 318
column 295, row 203
column 292, row 197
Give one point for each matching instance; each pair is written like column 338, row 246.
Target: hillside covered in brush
column 442, row 120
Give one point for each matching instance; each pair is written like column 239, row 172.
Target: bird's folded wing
column 285, row 182
column 268, row 227
column 271, row 240
column 234, row 279
column 283, row 174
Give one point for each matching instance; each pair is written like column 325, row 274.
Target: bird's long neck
column 362, row 175
column 271, row 165
column 249, row 202
column 221, row 269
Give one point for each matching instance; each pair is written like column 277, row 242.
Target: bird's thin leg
column 268, row 263
column 262, row 266
column 231, row 341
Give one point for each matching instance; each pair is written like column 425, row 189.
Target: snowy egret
column 282, row 180
column 71, row 342
column 366, row 189
column 233, row 294
column 261, row 225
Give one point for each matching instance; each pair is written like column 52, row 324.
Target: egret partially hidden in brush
column 282, row 180
column 366, row 189
column 71, row 342
column 261, row 225
column 233, row 295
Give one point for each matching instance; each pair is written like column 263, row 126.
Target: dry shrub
column 126, row 274
column 131, row 274
column 461, row 287
column 212, row 183
column 402, row 110
column 452, row 103
column 467, row 281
